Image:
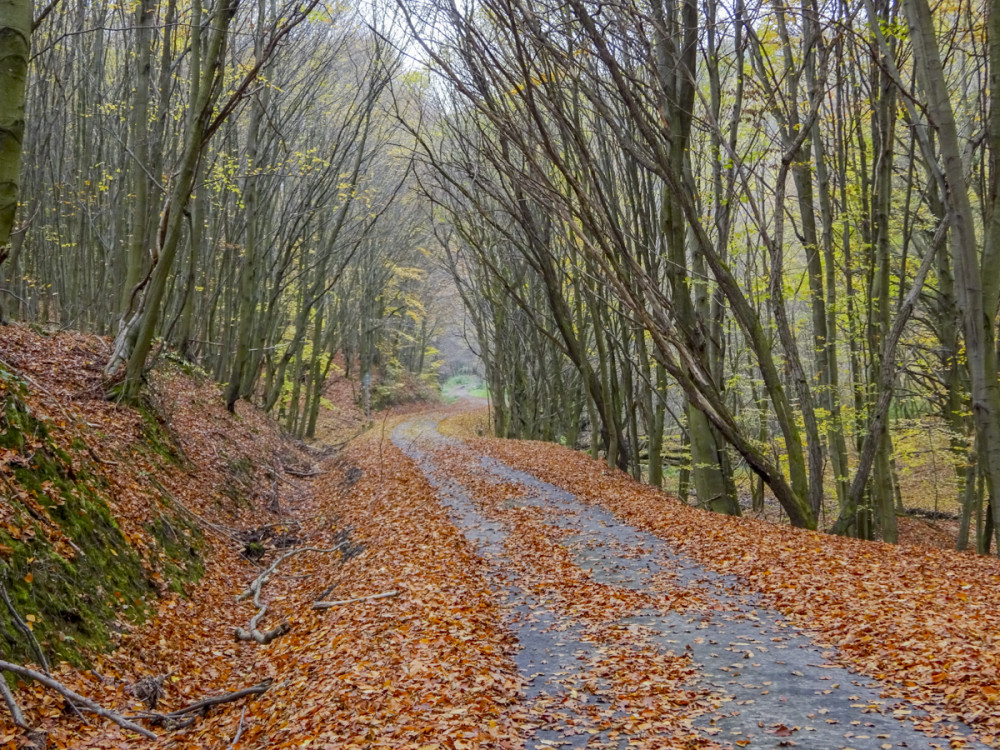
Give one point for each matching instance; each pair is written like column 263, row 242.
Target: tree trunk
column 15, row 46
column 970, row 277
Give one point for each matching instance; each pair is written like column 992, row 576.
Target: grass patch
column 462, row 386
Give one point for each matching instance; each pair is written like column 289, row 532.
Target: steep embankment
column 101, row 502
column 108, row 512
column 131, row 532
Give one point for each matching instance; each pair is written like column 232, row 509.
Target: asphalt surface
column 771, row 685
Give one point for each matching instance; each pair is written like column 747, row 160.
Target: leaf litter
column 437, row 666
column 924, row 622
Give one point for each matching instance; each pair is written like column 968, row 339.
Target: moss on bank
column 181, row 543
column 69, row 569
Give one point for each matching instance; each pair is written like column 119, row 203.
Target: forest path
column 624, row 642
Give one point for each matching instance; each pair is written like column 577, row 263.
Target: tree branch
column 330, row 605
column 75, row 698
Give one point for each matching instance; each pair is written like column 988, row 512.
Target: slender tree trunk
column 15, row 46
column 135, row 258
column 134, row 342
column 975, row 285
column 883, row 139
column 248, row 283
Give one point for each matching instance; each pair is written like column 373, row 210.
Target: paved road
column 765, row 682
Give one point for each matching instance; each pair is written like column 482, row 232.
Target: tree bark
column 970, row 276
column 15, row 47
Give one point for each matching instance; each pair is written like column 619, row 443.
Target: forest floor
column 504, row 595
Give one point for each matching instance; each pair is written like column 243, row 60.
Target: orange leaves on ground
column 427, row 667
column 926, row 619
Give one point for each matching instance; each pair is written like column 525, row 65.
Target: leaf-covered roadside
column 426, row 667
column 927, row 620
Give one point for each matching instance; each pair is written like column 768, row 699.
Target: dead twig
column 327, row 591
column 75, row 698
column 303, row 474
column 330, row 605
column 275, row 475
column 201, row 706
column 239, row 730
column 263, row 637
column 260, row 580
column 200, row 520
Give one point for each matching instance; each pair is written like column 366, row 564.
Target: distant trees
column 213, row 176
column 728, row 242
column 748, row 204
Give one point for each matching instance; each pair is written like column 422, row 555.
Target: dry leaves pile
column 927, row 620
column 429, row 667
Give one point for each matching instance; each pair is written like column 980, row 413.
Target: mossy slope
column 68, row 568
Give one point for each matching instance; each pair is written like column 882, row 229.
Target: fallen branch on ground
column 329, row 605
column 260, row 580
column 275, row 475
column 202, row 521
column 36, row 648
column 149, row 690
column 15, row 710
column 263, row 637
column 239, row 729
column 303, row 474
column 75, row 698
column 337, row 447
column 327, row 591
column 204, row 704
column 23, row 629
